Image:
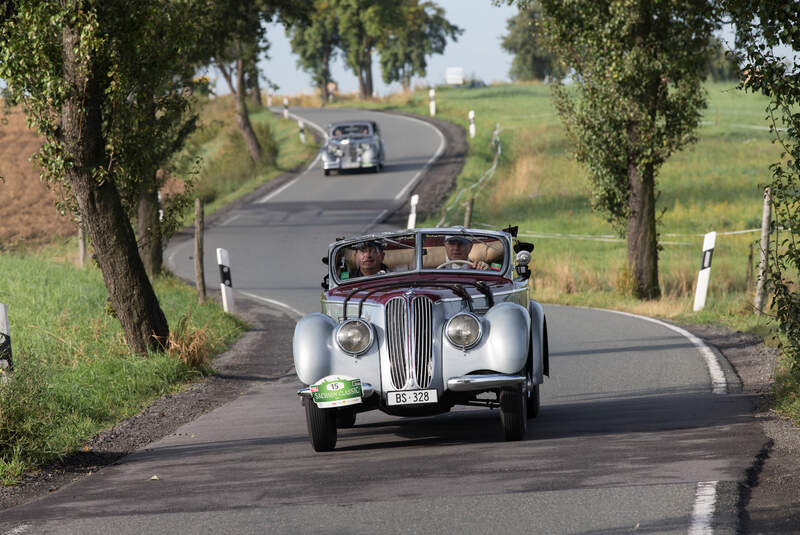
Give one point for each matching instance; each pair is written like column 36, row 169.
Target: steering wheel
column 455, row 263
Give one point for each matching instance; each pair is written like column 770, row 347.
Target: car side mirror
column 325, row 282
column 523, row 258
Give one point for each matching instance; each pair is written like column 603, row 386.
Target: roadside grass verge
column 713, row 185
column 74, row 375
column 226, row 172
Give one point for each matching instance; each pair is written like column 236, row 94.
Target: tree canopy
column 532, row 60
column 100, row 82
column 760, row 28
column 637, row 98
column 422, row 32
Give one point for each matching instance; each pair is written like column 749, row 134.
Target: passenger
column 369, row 257
column 458, row 248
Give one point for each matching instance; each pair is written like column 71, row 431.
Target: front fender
column 539, row 349
column 316, row 354
column 312, row 347
column 502, row 349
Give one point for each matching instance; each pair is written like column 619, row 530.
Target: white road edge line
column 706, row 493
column 274, row 302
column 704, row 505
column 230, row 220
column 280, row 190
column 719, row 385
column 439, row 151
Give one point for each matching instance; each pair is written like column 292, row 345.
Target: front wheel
column 321, row 426
column 514, row 412
column 534, row 402
column 345, row 418
column 326, row 171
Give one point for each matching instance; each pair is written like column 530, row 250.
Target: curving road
column 630, row 437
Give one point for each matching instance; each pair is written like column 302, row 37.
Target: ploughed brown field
column 28, row 215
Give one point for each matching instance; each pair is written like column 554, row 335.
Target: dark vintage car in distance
column 430, row 330
column 353, row 145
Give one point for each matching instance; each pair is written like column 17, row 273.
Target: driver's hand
column 480, row 264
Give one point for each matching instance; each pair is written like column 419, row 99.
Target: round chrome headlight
column 463, row 330
column 354, row 336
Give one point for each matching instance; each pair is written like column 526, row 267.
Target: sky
column 477, row 51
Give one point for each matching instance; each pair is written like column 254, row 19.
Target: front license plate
column 411, row 397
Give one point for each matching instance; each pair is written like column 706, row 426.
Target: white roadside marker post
column 302, row 132
column 705, row 271
column 6, row 363
column 432, row 95
column 226, row 285
column 269, row 100
column 285, row 108
column 471, row 116
column 412, row 216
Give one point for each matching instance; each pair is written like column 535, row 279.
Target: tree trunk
column 362, row 88
column 642, row 242
column 326, row 75
column 242, row 117
column 149, row 227
column 256, row 89
column 132, row 297
column 368, row 70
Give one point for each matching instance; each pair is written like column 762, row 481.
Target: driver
column 369, row 257
column 458, row 248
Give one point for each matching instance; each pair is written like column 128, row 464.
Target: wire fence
column 477, row 186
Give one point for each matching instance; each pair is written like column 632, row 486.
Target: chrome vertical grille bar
column 395, row 340
column 423, row 340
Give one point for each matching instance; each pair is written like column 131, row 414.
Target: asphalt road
column 630, row 436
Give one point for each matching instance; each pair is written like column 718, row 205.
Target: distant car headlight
column 354, row 336
column 463, row 330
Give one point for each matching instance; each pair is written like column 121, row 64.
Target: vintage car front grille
column 395, row 339
column 420, row 322
column 352, row 152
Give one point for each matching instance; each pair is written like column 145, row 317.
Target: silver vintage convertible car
column 353, row 145
column 417, row 321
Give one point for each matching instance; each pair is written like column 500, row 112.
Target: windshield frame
column 418, row 236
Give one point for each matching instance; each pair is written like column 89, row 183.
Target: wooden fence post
column 766, row 219
column 199, row 271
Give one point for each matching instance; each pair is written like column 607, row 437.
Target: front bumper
column 465, row 383
column 470, row 383
column 340, row 163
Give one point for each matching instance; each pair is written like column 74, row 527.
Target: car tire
column 534, row 402
column 375, row 169
column 326, row 171
column 345, row 418
column 514, row 413
column 321, row 426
